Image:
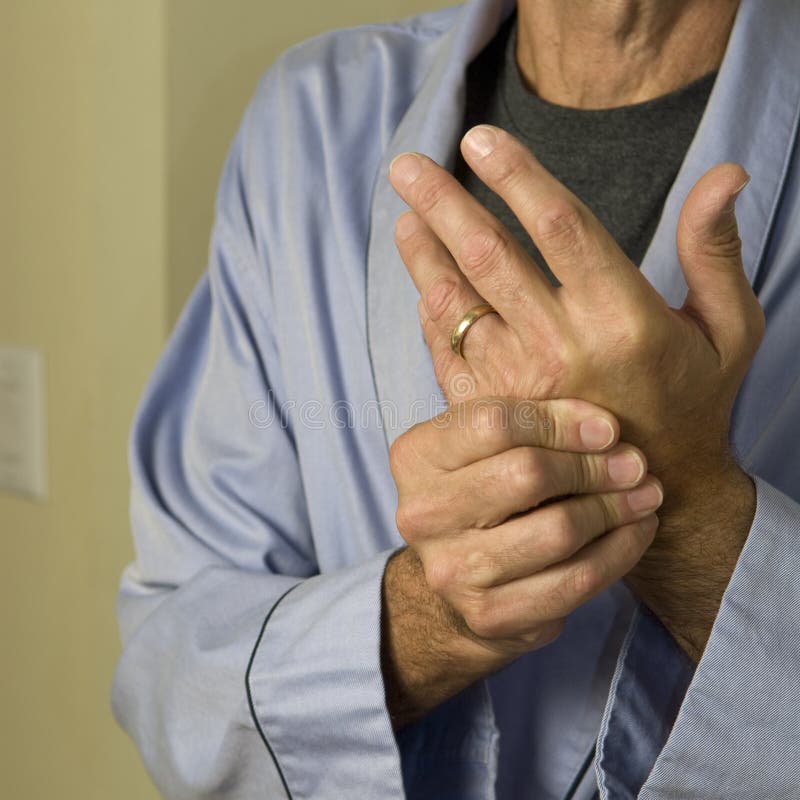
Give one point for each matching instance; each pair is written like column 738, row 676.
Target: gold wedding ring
column 460, row 330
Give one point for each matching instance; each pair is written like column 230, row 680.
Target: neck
column 608, row 53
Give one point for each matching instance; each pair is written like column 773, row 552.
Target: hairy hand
column 478, row 501
column 605, row 335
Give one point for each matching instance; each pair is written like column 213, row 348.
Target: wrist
column 408, row 594
column 717, row 506
column 427, row 653
column 683, row 576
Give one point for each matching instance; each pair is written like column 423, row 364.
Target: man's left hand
column 604, row 335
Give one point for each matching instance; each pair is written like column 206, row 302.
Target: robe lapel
column 401, row 364
column 751, row 118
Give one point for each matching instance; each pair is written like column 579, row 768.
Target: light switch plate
column 23, row 458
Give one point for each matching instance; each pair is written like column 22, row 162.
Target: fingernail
column 649, row 524
column 730, row 205
column 738, row 191
column 645, row 498
column 596, row 433
column 405, row 168
column 481, row 140
column 625, row 468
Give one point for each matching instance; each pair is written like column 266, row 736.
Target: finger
column 445, row 292
column 710, row 252
column 488, row 492
column 486, row 253
column 477, row 429
column 514, row 609
column 577, row 248
column 453, row 373
column 528, row 544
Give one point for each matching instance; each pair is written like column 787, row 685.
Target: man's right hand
column 495, row 560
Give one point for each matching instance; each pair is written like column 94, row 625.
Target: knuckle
column 505, row 164
column 440, row 296
column 430, row 193
column 560, row 538
column 553, row 631
column 556, row 360
column 478, row 567
column 406, row 234
column 555, row 602
column 440, row 575
column 585, row 580
column 420, row 249
column 555, row 545
column 506, row 284
column 526, row 471
column 562, row 520
column 412, row 518
column 488, row 438
column 642, row 333
column 482, row 251
column 546, row 633
column 639, row 333
column 560, row 227
column 482, row 617
column 635, row 338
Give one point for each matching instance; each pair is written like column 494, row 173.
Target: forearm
column 427, row 653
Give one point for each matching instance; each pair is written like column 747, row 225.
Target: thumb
column 720, row 296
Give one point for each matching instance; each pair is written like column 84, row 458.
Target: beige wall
column 115, row 122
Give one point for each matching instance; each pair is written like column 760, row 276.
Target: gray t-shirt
column 621, row 162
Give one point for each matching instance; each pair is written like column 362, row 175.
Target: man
column 278, row 642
